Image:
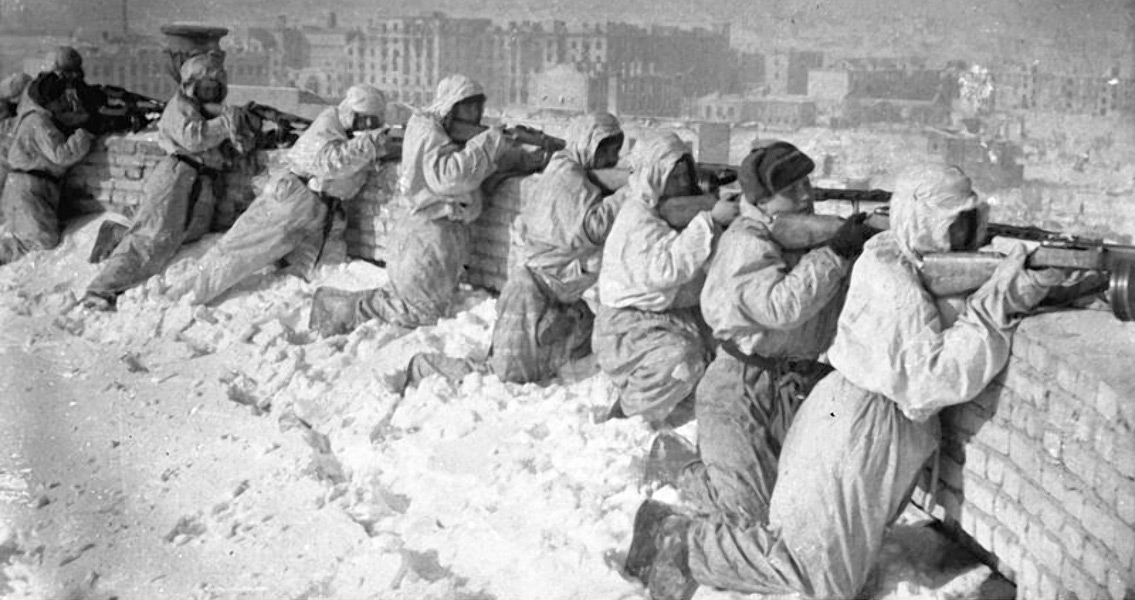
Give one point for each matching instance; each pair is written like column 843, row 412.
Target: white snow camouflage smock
column 287, row 220
column 649, row 335
column 855, row 448
column 556, row 243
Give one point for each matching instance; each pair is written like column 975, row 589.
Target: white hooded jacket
column 560, row 231
column 440, row 178
column 337, row 164
column 894, row 338
column 647, row 264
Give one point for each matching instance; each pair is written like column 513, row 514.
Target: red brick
column 1086, row 426
column 1079, row 582
column 1063, row 412
column 1109, row 530
column 1125, row 454
column 1010, row 514
column 1028, row 578
column 983, row 533
column 1034, row 426
column 1106, row 401
column 967, row 517
column 1106, row 486
column 1050, row 551
column 1031, row 498
column 1118, row 585
column 1007, row 547
column 995, row 436
column 1066, row 376
column 120, row 146
column 1073, row 538
column 1080, row 461
column 1050, row 587
column 995, row 468
column 1053, row 443
column 980, row 495
column 975, row 459
column 1095, row 562
column 1011, row 482
column 1108, row 395
column 1125, row 500
column 1104, row 444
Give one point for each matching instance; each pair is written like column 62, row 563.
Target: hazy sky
column 1083, row 26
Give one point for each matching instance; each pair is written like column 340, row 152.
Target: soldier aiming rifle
column 1104, row 266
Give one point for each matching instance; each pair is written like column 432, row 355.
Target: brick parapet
column 1039, row 470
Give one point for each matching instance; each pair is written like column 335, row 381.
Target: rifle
column 953, row 273
column 395, row 136
column 678, row 211
column 286, row 126
column 113, row 109
column 463, row 131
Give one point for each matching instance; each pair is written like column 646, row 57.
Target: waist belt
column 39, row 174
column 196, row 165
column 779, row 364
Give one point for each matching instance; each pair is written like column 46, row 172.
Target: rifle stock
column 463, row 131
column 680, row 210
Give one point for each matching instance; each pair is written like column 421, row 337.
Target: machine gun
column 1105, row 266
column 286, row 127
column 125, row 111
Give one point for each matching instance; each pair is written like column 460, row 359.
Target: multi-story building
column 636, row 68
column 327, row 72
column 28, row 51
column 786, row 72
column 751, row 71
column 773, row 112
column 287, row 48
column 144, row 67
column 565, row 88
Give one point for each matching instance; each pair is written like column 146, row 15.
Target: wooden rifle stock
column 463, row 131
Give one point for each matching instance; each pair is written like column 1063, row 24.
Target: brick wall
column 1039, row 471
column 112, row 175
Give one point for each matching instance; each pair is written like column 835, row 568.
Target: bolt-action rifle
column 463, row 131
column 1109, row 267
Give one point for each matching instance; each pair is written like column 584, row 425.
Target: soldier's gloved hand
column 724, row 211
column 239, row 126
column 849, row 238
column 84, row 134
column 1014, row 289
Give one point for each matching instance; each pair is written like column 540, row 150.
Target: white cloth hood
column 450, row 91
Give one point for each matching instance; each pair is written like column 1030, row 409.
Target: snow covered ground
column 168, row 451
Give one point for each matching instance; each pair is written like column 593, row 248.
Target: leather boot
column 334, row 311
column 659, row 553
column 670, row 453
column 110, row 234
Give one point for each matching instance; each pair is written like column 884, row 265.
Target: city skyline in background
column 1096, row 35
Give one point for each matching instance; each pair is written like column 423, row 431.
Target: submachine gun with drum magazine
column 1105, row 266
